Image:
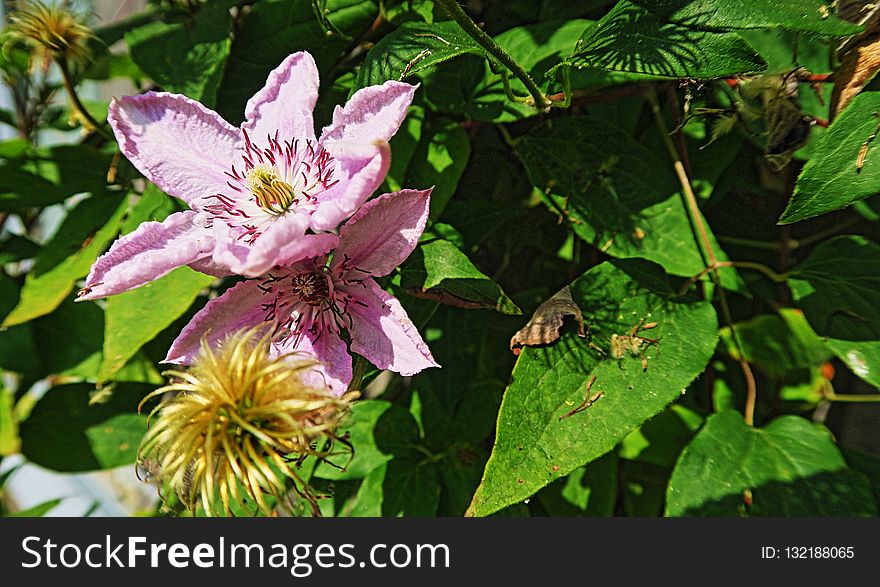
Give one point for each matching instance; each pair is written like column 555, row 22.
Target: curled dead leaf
column 546, row 322
column 859, row 55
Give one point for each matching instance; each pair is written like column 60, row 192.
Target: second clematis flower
column 310, row 302
column 259, row 193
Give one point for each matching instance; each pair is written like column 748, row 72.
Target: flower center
column 274, row 178
column 312, row 288
column 273, row 194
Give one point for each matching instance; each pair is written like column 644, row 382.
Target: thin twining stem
column 713, row 264
column 540, row 101
column 75, row 101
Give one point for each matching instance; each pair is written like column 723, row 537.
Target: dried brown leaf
column 858, row 67
column 546, row 322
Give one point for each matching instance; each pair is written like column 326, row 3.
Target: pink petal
column 178, row 144
column 148, row 253
column 283, row 241
column 285, row 104
column 383, row 333
column 373, row 113
column 335, row 362
column 208, row 267
column 384, row 231
column 362, row 168
column 238, row 308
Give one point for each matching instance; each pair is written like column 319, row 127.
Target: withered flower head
column 236, row 424
column 52, row 31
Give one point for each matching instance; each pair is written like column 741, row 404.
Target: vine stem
column 359, row 369
column 75, row 101
column 713, row 265
column 541, row 102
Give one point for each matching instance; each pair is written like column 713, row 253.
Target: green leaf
column 399, row 488
column 438, row 270
column 38, row 511
column 152, row 206
column 41, row 177
column 838, row 288
column 590, row 490
column 186, row 57
column 439, row 160
column 379, row 431
column 535, row 442
column 789, row 468
column 866, row 464
column 403, row 147
column 632, row 39
column 660, row 440
column 779, row 344
column 65, row 433
column 274, row 29
column 412, row 48
column 795, row 15
column 135, row 317
column 618, row 194
column 68, row 341
column 68, row 255
column 16, row 248
column 831, row 179
column 10, row 443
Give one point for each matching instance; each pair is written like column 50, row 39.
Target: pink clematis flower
column 310, row 301
column 258, row 193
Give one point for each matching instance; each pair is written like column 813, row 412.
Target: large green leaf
column 789, row 468
column 439, row 161
column 832, row 178
column 779, row 344
column 136, row 317
column 838, row 288
column 68, row 255
column 632, row 39
column 186, row 57
column 414, row 47
column 796, row 15
column 535, row 444
column 40, row 177
column 438, row 270
column 65, row 433
column 272, row 30
column 399, row 488
column 379, row 431
column 619, row 195
column 590, row 490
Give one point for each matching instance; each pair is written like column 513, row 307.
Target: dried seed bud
column 231, row 429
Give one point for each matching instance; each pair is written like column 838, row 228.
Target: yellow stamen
column 273, row 194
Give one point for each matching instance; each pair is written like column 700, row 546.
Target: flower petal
column 362, row 168
column 283, row 242
column 332, row 352
column 181, row 146
column 285, row 104
column 383, row 333
column 239, row 307
column 148, row 253
column 373, row 113
column 384, row 231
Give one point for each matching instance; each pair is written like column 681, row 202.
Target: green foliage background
column 525, row 203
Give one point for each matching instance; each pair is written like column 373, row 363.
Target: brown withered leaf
column 859, row 55
column 859, row 66
column 544, row 326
